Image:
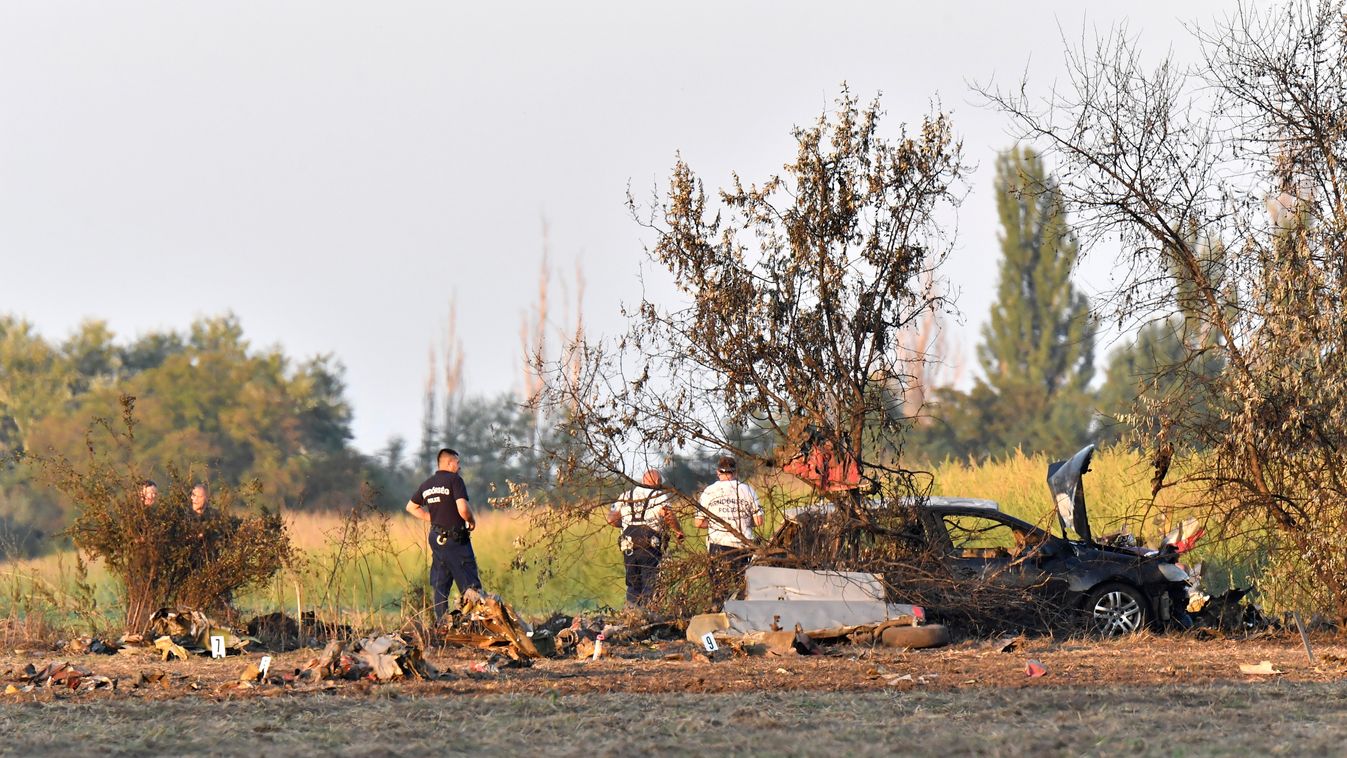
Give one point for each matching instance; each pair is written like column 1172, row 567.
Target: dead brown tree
column 1180, row 163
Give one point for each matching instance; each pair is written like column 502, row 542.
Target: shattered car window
column 979, row 537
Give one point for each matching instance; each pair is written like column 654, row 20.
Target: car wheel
column 1116, row 608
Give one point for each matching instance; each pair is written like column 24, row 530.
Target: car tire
column 913, row 637
column 1115, row 608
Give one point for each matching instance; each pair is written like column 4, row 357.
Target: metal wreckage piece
column 487, row 622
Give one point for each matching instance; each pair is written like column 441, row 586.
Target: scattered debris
column 155, row 677
column 497, row 663
column 60, row 675
column 894, row 680
column 913, row 637
column 481, row 669
column 779, row 643
column 251, row 673
column 191, row 630
column 589, row 648
column 569, row 640
column 1258, row 669
column 87, row 646
column 1004, row 645
column 1183, row 537
column 705, row 623
column 379, row 658
column 1230, row 612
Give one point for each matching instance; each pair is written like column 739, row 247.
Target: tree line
column 207, row 403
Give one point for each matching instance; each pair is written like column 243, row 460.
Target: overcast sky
column 337, row 173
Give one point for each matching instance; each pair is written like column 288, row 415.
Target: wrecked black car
column 1119, row 589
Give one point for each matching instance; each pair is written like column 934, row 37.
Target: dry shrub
column 162, row 553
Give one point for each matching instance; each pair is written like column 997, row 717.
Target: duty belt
column 444, row 534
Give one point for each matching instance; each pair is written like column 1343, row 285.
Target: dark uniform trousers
column 451, row 562
column 727, row 567
column 642, row 572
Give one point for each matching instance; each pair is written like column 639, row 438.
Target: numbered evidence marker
column 709, row 642
column 217, row 649
column 264, row 666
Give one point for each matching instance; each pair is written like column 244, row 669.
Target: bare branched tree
column 1182, row 166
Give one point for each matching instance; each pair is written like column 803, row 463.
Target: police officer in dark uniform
column 443, row 501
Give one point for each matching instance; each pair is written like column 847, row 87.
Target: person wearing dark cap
column 442, row 500
column 730, row 511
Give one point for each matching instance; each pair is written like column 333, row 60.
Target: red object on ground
column 1035, row 669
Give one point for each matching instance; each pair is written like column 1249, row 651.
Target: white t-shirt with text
column 734, row 503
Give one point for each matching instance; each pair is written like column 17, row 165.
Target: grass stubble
column 1278, row 718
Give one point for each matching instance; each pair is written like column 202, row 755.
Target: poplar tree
column 1037, row 350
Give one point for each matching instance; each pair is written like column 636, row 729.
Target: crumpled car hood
column 1069, row 495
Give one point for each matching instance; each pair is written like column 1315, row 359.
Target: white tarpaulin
column 748, row 616
column 773, row 583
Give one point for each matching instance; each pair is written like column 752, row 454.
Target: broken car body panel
column 1068, row 493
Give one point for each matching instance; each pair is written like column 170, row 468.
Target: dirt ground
column 1144, row 694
